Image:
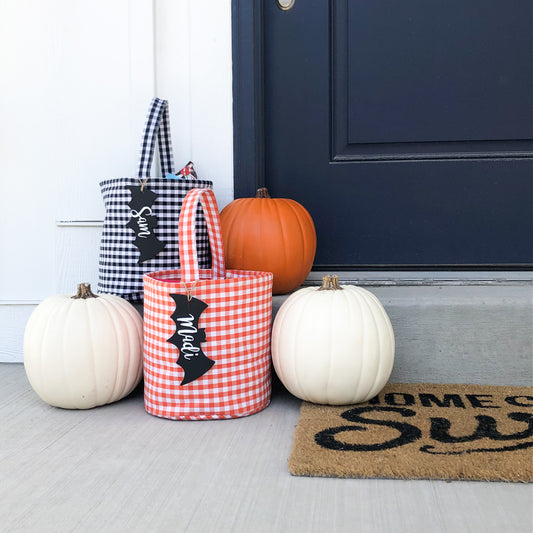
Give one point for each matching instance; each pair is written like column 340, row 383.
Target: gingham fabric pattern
column 188, row 235
column 119, row 272
column 237, row 324
column 157, row 121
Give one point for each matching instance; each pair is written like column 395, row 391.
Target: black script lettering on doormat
column 414, row 431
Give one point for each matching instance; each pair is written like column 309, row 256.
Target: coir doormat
column 420, row 431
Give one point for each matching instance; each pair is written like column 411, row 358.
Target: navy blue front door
column 405, row 128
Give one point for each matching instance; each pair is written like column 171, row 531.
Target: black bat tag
column 143, row 223
column 188, row 337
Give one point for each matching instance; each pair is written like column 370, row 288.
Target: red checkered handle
column 187, row 239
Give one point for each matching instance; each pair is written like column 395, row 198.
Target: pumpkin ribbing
column 83, row 351
column 271, row 235
column 333, row 346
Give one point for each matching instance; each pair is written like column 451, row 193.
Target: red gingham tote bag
column 206, row 331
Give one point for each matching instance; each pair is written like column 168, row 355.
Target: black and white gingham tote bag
column 140, row 233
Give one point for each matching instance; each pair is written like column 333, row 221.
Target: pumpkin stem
column 262, row 193
column 84, row 292
column 330, row 283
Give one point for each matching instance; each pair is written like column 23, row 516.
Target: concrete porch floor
column 118, row 469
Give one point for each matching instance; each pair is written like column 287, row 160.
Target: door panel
column 404, row 128
column 434, row 71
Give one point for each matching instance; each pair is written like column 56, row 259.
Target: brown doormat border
column 420, row 431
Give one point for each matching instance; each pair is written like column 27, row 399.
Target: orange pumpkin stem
column 262, row 193
column 84, row 292
column 330, row 283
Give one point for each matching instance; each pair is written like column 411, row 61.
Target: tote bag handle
column 157, row 121
column 187, row 236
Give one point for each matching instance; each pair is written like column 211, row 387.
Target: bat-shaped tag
column 143, row 222
column 188, row 337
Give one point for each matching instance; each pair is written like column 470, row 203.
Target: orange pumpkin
column 269, row 234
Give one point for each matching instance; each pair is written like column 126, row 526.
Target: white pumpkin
column 83, row 351
column 333, row 345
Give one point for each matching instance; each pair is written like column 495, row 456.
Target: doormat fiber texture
column 420, row 431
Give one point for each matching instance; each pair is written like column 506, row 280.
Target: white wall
column 76, row 79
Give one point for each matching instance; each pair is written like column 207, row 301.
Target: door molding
column 248, row 130
column 364, row 149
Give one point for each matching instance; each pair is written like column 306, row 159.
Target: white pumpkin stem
column 262, row 193
column 84, row 292
column 330, row 283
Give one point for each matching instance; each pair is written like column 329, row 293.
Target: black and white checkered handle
column 157, row 121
